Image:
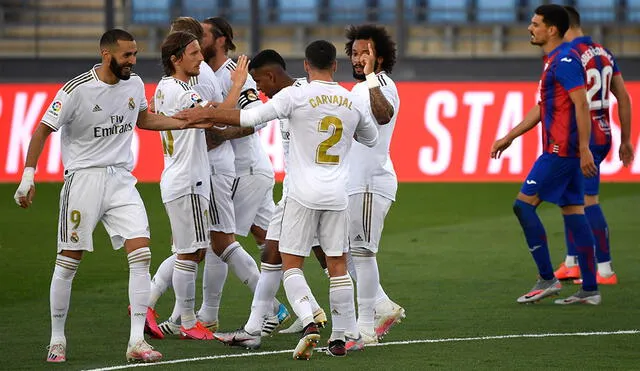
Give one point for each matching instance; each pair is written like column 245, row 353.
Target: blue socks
column 579, row 232
column 600, row 231
column 536, row 237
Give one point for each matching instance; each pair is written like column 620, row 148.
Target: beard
column 208, row 54
column 361, row 76
column 117, row 69
column 532, row 41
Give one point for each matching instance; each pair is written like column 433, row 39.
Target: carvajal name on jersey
column 330, row 99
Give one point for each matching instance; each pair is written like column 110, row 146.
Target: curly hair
column 384, row 46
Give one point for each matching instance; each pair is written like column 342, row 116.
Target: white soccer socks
column 60, row 295
column 266, row 289
column 184, row 286
column 162, row 280
column 368, row 282
column 298, row 294
column 242, row 264
column 139, row 288
column 213, row 279
column 343, row 316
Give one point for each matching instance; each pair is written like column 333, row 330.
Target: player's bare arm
column 151, row 121
column 530, row 121
column 380, row 107
column 27, row 189
column 579, row 99
column 624, row 116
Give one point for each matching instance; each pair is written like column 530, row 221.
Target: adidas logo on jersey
column 97, row 108
column 358, row 238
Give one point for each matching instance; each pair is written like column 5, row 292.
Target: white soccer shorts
column 253, row 202
column 300, row 224
column 275, row 227
column 221, row 210
column 100, row 194
column 366, row 219
column 189, row 219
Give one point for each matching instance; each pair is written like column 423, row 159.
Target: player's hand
column 26, row 190
column 195, row 117
column 626, row 153
column 368, row 61
column 152, row 106
column 587, row 164
column 239, row 75
column 500, row 146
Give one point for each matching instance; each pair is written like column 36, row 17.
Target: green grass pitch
column 452, row 254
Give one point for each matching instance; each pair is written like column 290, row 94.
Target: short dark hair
column 384, row 46
column 174, row 44
column 223, row 28
column 320, row 54
column 111, row 37
column 267, row 57
column 554, row 15
column 188, row 24
column 574, row 16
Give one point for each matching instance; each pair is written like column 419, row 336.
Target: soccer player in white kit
column 185, row 181
column 373, row 183
column 252, row 188
column 96, row 112
column 268, row 69
column 323, row 118
column 221, row 213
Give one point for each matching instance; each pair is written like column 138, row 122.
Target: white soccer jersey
column 323, row 117
column 374, row 172
column 186, row 169
column 284, row 131
column 221, row 158
column 250, row 157
column 97, row 120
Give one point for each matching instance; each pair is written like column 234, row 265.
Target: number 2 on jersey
column 599, row 81
column 321, row 152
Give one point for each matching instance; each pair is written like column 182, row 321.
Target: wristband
column 372, row 81
column 28, row 173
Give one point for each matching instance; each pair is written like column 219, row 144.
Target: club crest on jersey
column 252, row 96
column 195, row 98
column 132, row 104
column 74, row 237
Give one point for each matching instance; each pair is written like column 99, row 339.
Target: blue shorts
column 592, row 184
column 556, row 179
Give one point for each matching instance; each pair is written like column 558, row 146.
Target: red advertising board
column 443, row 134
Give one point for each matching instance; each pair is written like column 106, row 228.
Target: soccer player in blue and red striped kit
column 556, row 176
column 603, row 78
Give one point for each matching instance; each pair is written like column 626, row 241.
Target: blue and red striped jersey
column 600, row 67
column 562, row 74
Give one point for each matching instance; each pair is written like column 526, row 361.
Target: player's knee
column 361, row 251
column 135, row 243
column 199, row 255
column 523, row 210
column 590, row 200
column 270, row 253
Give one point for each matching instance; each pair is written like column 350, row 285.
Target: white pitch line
column 405, row 342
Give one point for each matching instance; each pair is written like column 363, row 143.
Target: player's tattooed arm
column 380, row 107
